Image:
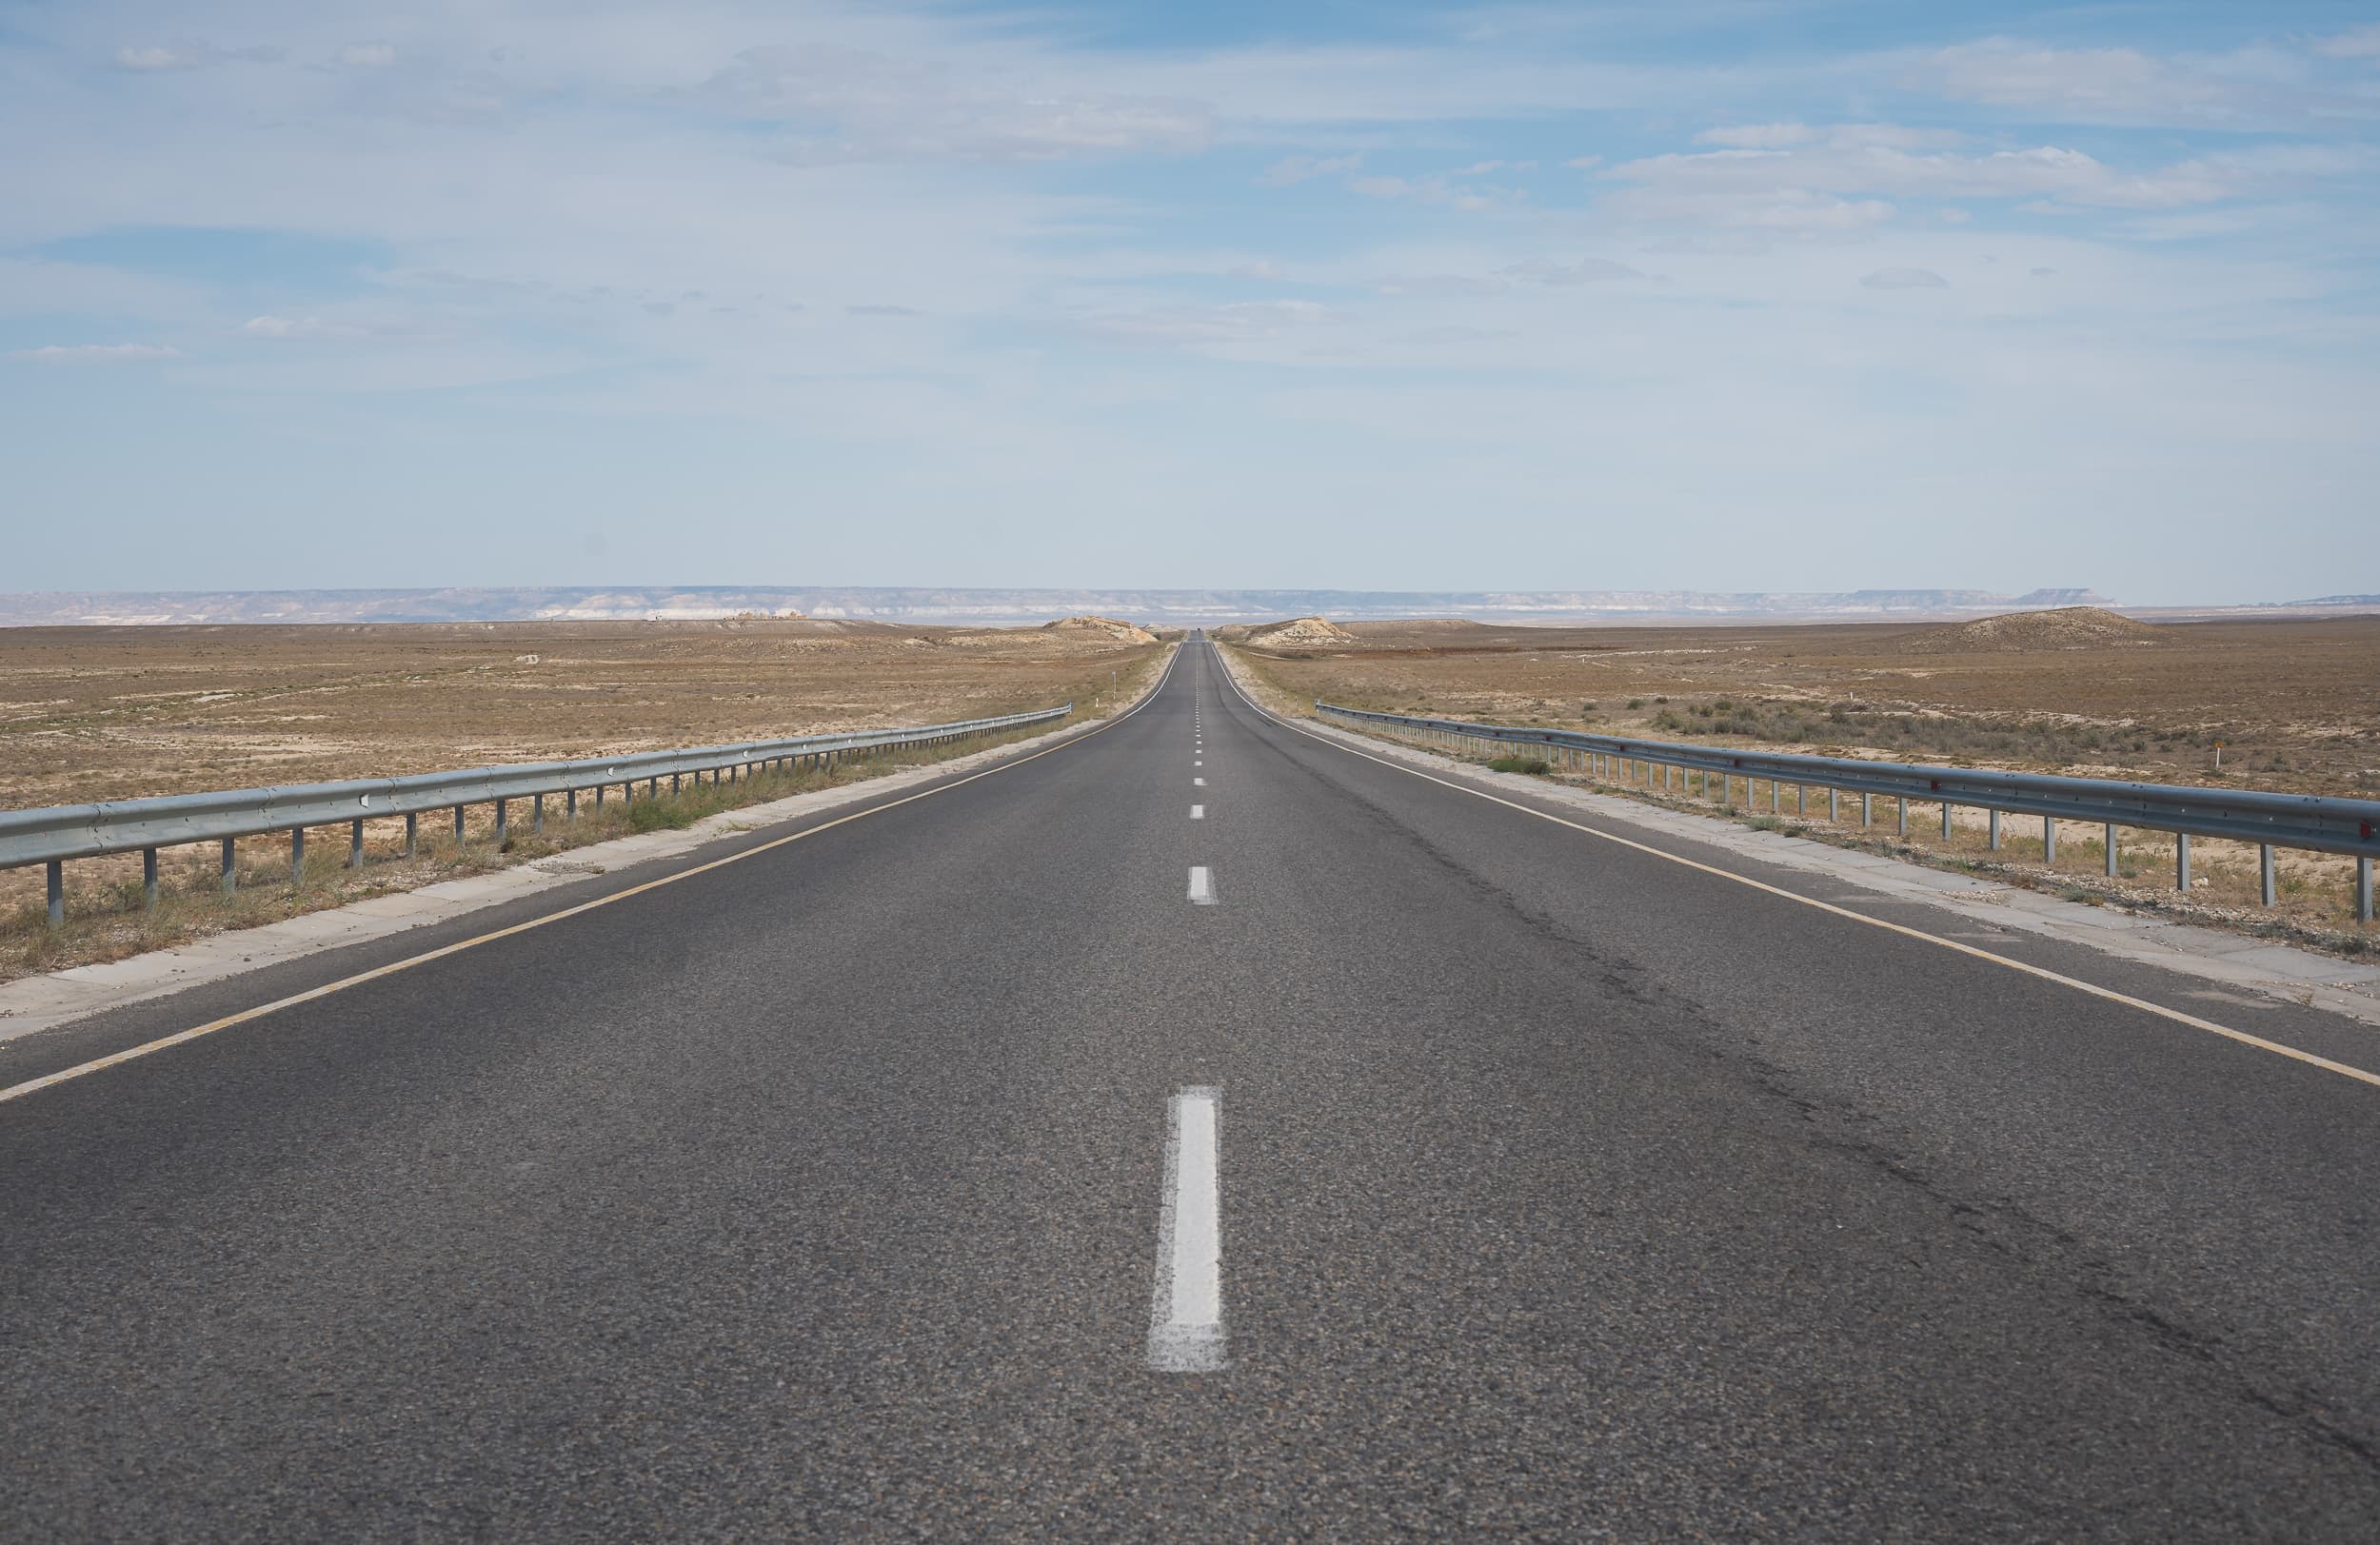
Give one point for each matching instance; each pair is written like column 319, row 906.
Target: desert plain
column 2289, row 704
column 89, row 714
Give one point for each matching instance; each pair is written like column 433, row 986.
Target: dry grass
column 118, row 713
column 2292, row 704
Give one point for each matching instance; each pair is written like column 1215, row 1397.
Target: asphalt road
column 1561, row 1191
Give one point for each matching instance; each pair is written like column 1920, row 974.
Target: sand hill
column 1301, row 633
column 2016, row 632
column 1121, row 631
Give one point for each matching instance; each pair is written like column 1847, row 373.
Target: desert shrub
column 1534, row 767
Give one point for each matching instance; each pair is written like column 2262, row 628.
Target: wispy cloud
column 188, row 54
column 1905, row 278
column 2256, row 88
column 1302, row 169
column 96, row 353
column 831, row 104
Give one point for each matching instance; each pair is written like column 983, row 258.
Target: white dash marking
column 1197, row 812
column 1197, row 783
column 1186, row 1312
column 1201, row 887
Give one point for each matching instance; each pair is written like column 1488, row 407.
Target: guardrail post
column 57, row 893
column 355, row 844
column 2363, row 890
column 1995, row 831
column 2110, row 848
column 297, row 855
column 1834, row 803
column 458, row 827
column 599, row 796
column 1776, row 796
column 2264, row 871
column 1946, row 819
column 148, row 878
column 411, row 823
column 1902, row 801
column 537, row 814
column 230, row 868
column 2049, row 839
column 2181, row 860
column 1801, row 799
column 1863, row 811
column 499, row 822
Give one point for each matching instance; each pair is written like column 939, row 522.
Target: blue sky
column 1682, row 295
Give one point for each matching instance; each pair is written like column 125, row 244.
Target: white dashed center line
column 1202, row 887
column 1186, row 1313
column 1197, row 812
column 1197, row 783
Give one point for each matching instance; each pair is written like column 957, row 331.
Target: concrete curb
column 2232, row 963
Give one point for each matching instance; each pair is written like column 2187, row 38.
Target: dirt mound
column 2016, row 632
column 1301, row 633
column 1112, row 628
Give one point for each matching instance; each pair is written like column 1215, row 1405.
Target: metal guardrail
column 2296, row 821
column 58, row 833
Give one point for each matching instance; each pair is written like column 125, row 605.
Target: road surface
column 1199, row 1129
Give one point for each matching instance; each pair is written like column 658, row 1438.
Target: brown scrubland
column 112, row 713
column 2292, row 706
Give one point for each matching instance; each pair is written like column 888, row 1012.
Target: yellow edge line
column 2110, row 994
column 146, row 1048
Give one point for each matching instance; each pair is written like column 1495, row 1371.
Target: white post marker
column 1186, row 1312
column 1201, row 887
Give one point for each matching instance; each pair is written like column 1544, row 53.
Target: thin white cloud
column 833, row 104
column 2363, row 43
column 1238, row 322
column 2255, row 88
column 1469, row 286
column 882, row 310
column 1905, row 278
column 278, row 327
column 96, row 353
column 1301, row 169
column 374, row 55
column 1835, row 179
column 1584, row 271
column 187, row 54
column 1758, row 136
column 1438, row 188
